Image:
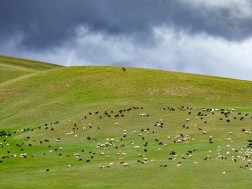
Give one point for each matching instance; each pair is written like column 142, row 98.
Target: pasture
column 102, row 127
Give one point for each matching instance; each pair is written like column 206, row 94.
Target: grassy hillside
column 11, row 67
column 100, row 127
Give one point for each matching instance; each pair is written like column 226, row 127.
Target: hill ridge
column 13, row 67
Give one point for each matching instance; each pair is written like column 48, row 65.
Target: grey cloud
column 47, row 24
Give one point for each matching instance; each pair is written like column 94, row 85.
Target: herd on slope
column 134, row 146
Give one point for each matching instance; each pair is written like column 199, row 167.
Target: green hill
column 12, row 68
column 102, row 127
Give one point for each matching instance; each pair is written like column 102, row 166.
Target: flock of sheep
column 128, row 145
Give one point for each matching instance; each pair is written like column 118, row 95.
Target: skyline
column 195, row 36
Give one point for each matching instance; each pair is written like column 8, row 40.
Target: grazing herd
column 129, row 145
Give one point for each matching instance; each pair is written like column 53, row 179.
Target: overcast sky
column 212, row 37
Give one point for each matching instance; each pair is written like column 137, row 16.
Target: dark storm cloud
column 49, row 23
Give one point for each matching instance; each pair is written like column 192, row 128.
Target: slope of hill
column 72, row 89
column 12, row 68
column 101, row 127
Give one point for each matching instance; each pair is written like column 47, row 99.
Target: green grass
column 50, row 93
column 13, row 68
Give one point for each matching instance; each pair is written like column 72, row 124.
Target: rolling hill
column 102, row 127
column 13, row 68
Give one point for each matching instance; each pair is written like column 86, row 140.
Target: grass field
column 13, row 68
column 100, row 127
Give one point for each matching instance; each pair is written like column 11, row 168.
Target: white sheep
column 125, row 164
column 136, row 147
column 23, row 155
column 247, row 132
